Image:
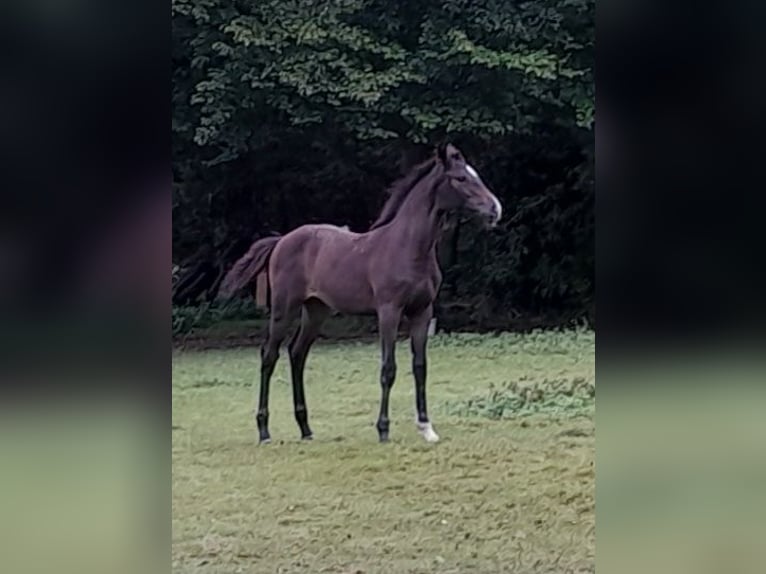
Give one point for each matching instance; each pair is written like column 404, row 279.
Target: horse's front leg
column 388, row 324
column 418, row 342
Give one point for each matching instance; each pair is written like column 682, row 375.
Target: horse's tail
column 247, row 267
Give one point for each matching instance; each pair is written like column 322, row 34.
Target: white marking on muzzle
column 427, row 431
column 499, row 207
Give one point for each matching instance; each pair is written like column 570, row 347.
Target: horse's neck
column 417, row 225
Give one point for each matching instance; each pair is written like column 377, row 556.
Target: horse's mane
column 399, row 191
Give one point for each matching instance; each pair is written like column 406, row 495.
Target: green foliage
column 292, row 111
column 536, row 342
column 187, row 319
column 561, row 396
column 381, row 69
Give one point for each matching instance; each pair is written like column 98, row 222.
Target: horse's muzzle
column 492, row 215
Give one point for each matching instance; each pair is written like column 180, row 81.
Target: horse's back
column 315, row 236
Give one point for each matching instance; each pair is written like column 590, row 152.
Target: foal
column 391, row 270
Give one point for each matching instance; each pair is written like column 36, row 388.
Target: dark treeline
column 295, row 111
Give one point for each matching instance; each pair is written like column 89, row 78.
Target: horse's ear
column 441, row 152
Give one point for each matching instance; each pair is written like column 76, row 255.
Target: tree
column 290, row 111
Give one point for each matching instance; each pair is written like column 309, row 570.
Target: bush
column 187, row 319
column 573, row 397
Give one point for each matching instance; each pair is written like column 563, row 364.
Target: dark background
column 286, row 113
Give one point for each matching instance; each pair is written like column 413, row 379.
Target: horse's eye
column 461, row 178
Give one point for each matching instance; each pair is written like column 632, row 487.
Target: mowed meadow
column 509, row 488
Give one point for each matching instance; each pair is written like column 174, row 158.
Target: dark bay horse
column 390, row 270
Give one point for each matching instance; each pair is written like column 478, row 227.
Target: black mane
column 400, row 190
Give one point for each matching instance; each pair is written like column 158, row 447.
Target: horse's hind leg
column 282, row 314
column 388, row 324
column 313, row 315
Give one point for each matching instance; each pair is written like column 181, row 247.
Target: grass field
column 510, row 487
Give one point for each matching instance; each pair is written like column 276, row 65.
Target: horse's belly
column 343, row 287
column 344, row 298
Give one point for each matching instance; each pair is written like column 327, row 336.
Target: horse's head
column 463, row 188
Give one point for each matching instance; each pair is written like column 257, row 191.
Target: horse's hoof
column 383, row 438
column 266, row 440
column 427, row 432
column 308, row 437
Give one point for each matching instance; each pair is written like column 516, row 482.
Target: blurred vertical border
column 681, row 449
column 85, row 286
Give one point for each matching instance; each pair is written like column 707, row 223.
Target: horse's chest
column 422, row 293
